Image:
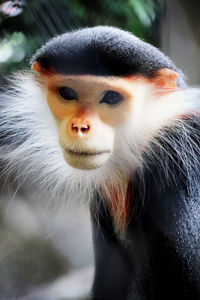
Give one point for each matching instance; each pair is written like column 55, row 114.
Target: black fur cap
column 103, row 51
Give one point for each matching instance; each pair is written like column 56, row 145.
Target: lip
column 86, row 153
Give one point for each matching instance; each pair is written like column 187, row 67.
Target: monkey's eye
column 67, row 93
column 111, row 98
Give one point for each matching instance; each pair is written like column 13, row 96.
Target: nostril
column 74, row 127
column 85, row 129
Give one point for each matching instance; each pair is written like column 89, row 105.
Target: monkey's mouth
column 86, row 160
column 86, row 153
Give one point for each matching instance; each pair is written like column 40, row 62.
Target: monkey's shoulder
column 175, row 150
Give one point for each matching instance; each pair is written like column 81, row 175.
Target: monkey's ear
column 165, row 78
column 36, row 66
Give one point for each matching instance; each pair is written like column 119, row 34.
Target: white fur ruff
column 37, row 164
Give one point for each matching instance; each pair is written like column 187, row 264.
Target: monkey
column 109, row 119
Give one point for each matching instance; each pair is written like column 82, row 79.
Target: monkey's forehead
column 101, row 50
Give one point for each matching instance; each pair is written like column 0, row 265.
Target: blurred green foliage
column 26, row 25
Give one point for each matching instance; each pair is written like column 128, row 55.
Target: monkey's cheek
column 84, row 162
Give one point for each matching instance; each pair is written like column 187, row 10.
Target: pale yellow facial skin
column 93, row 148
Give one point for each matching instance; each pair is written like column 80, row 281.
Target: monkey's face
column 89, row 111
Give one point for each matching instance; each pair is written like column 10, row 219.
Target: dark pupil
column 67, row 93
column 111, row 98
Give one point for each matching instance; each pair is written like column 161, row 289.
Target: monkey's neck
column 118, row 198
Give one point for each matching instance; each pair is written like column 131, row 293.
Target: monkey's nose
column 79, row 127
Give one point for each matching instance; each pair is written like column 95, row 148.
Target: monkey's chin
column 86, row 160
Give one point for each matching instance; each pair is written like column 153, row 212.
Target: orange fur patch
column 118, row 199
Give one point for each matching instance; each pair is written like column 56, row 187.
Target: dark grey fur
column 103, row 50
